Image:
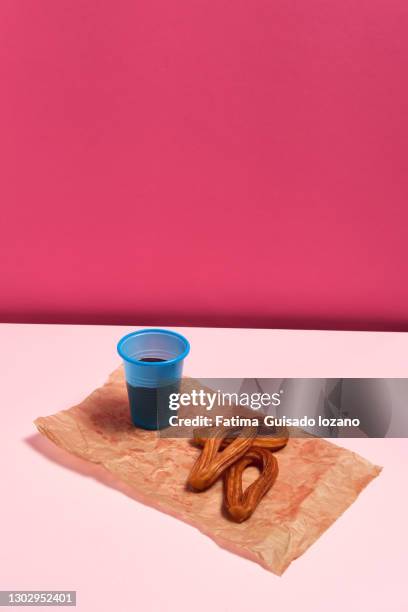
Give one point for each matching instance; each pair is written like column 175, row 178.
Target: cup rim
column 155, row 363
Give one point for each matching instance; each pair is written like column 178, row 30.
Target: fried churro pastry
column 240, row 504
column 272, row 442
column 212, row 461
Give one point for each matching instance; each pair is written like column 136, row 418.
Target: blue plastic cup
column 153, row 360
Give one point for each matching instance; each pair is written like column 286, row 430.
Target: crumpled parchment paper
column 317, row 480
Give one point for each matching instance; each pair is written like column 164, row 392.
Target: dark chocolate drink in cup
column 150, row 406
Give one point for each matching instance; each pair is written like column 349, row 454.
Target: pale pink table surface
column 63, row 529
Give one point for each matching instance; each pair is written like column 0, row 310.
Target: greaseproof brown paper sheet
column 317, row 480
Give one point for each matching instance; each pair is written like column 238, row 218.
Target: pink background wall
column 196, row 162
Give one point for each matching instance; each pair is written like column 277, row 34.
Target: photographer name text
column 267, row 421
